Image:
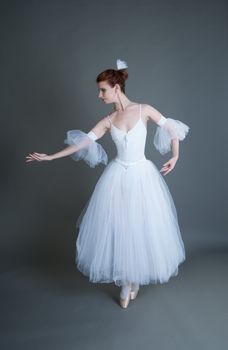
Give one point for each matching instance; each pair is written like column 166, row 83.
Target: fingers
column 32, row 157
column 165, row 167
column 29, row 158
column 166, row 164
column 166, row 170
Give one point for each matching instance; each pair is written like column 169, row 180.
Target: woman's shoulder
column 147, row 109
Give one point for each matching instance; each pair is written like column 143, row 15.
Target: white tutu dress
column 128, row 230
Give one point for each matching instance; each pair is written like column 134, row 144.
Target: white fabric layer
column 92, row 135
column 89, row 150
column 167, row 130
column 162, row 120
column 128, row 230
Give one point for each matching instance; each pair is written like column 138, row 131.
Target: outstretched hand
column 37, row 156
column 168, row 166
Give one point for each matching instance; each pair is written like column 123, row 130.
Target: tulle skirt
column 128, row 230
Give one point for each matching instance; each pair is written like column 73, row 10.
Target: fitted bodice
column 130, row 145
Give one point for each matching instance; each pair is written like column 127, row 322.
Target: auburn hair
column 113, row 76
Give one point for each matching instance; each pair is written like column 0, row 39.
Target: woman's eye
column 102, row 90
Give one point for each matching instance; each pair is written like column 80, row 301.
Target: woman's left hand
column 168, row 166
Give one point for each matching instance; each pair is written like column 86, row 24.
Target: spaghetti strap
column 110, row 120
column 140, row 111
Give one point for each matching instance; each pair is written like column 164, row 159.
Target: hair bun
column 124, row 73
column 115, row 76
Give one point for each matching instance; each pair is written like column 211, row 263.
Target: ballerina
column 128, row 230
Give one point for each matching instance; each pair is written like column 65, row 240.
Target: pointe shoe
column 124, row 302
column 133, row 294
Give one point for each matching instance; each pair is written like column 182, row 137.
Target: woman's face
column 107, row 93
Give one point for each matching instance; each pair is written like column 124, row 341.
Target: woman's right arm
column 81, row 146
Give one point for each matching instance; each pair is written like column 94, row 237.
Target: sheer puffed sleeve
column 167, row 130
column 88, row 149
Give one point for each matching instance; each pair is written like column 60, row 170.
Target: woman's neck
column 122, row 103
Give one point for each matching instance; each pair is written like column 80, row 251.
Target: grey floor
column 55, row 307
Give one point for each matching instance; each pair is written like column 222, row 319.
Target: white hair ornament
column 121, row 64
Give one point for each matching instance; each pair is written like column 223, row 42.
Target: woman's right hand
column 37, row 156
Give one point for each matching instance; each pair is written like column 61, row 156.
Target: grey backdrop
column 52, row 52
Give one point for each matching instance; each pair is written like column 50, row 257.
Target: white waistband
column 127, row 162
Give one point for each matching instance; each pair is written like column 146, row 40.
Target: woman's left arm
column 168, row 134
column 168, row 166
